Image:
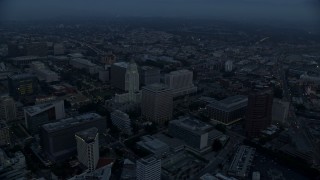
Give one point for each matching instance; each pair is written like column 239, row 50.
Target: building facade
column 88, row 147
column 22, row 85
column 259, row 112
column 8, row 110
column 149, row 75
column 156, row 103
column 122, row 121
column 149, row 168
column 4, row 134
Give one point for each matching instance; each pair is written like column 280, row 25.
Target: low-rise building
column 242, row 161
column 12, row 168
column 154, row 145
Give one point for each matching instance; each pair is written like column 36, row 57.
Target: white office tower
column 8, row 110
column 149, row 168
column 88, row 147
column 228, row 66
column 131, row 85
column 180, row 82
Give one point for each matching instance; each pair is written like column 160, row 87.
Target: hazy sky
column 293, row 11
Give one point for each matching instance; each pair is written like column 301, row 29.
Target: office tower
column 57, row 139
column 228, row 66
column 156, row 103
column 118, row 75
column 22, row 85
column 122, row 121
column 8, row 110
column 40, row 114
column 280, row 111
column 229, row 110
column 181, row 82
column 131, row 86
column 149, row 168
column 149, row 75
column 88, row 147
column 132, row 78
column 259, row 112
column 4, row 134
column 193, row 132
column 58, row 49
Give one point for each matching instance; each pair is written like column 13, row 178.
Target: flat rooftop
column 88, row 135
column 152, row 144
column 84, row 61
column 121, row 64
column 178, row 72
column 192, row 125
column 157, row 87
column 230, row 103
column 32, row 110
column 69, row 122
column 21, row 76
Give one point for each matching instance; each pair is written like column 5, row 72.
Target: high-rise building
column 181, row 82
column 148, row 168
column 259, row 112
column 131, row 85
column 118, row 75
column 8, row 110
column 156, row 103
column 228, row 66
column 122, row 121
column 280, row 111
column 22, row 85
column 4, row 134
column 229, row 110
column 57, row 139
column 88, row 147
column 40, row 114
column 149, row 75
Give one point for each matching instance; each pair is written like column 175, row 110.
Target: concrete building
column 280, row 111
column 240, row 166
column 180, row 82
column 128, row 170
column 12, row 168
column 118, row 75
column 22, row 85
column 154, row 145
column 57, row 139
column 8, row 110
column 23, row 60
column 40, row 114
column 149, row 75
column 88, row 147
column 229, row 110
column 122, row 121
column 259, row 112
column 193, row 132
column 149, row 168
column 4, row 134
column 156, row 103
column 228, row 66
column 85, row 64
column 43, row 73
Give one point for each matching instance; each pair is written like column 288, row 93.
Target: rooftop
column 88, row 135
column 178, row 72
column 156, row 87
column 230, row 103
column 69, row 122
column 121, row 64
column 21, row 76
column 84, row 61
column 193, row 125
column 33, row 110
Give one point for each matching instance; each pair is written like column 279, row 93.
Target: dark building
column 58, row 139
column 118, row 75
column 229, row 110
column 22, row 85
column 259, row 112
column 149, row 75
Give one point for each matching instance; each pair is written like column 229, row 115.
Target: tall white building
column 228, row 66
column 180, row 82
column 131, row 85
column 8, row 110
column 88, row 148
column 149, row 168
column 122, row 121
